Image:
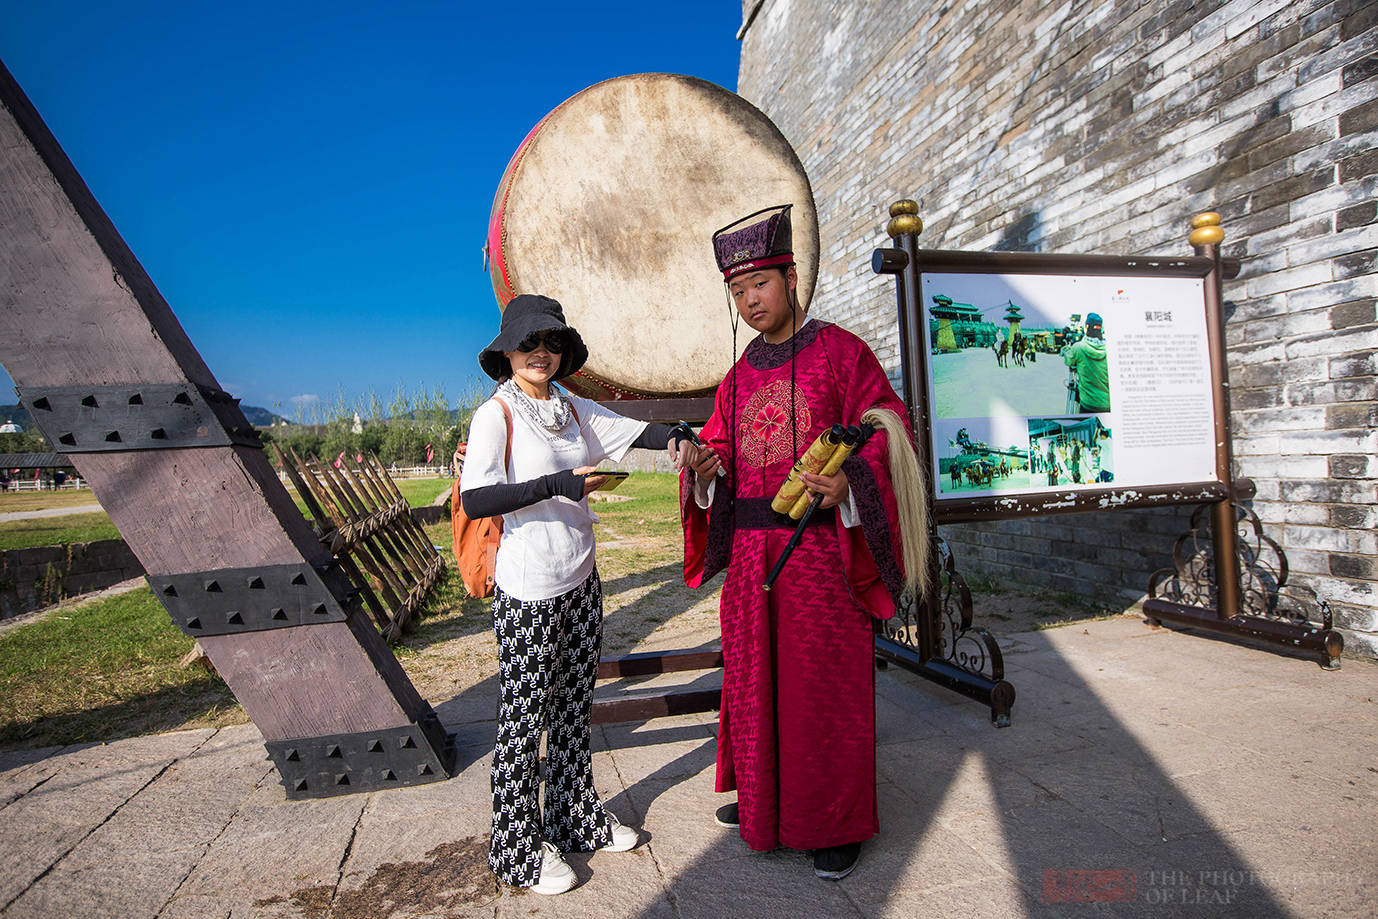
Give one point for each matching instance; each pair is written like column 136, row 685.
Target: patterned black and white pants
column 547, row 662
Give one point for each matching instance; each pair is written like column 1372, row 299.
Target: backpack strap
column 507, row 416
column 492, row 548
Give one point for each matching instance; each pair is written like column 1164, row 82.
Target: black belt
column 756, row 514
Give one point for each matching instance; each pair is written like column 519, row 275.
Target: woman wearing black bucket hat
column 531, row 454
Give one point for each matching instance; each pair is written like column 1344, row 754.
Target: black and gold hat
column 760, row 240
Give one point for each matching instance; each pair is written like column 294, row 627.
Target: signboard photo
column 1045, row 382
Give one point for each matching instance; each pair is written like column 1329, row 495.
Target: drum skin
column 609, row 206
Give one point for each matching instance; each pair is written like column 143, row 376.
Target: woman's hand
column 591, row 482
column 833, row 488
column 682, row 452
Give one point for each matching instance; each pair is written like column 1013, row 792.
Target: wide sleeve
column 871, row 552
column 607, row 435
column 708, row 531
column 485, row 458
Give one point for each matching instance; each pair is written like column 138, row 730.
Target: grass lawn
column 422, row 492
column 641, row 534
column 108, row 669
column 104, row 670
column 93, row 525
column 56, row 531
column 418, row 492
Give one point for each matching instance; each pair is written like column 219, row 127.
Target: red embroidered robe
column 796, row 737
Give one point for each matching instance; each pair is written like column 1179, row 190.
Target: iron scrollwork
column 1264, row 591
column 955, row 639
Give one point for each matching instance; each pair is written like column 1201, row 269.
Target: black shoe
column 836, row 862
column 727, row 816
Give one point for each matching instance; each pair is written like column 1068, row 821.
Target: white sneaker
column 624, row 838
column 556, row 874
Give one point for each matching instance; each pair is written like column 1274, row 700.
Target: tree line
column 399, row 430
column 405, row 430
column 29, row 441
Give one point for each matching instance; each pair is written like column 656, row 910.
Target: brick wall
column 1102, row 128
column 38, row 577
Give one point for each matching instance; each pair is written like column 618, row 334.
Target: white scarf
column 551, row 414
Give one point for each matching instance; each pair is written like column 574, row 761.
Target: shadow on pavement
column 1066, row 813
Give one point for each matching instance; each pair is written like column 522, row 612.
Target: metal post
column 904, row 228
column 925, row 656
column 1205, row 238
column 1229, row 615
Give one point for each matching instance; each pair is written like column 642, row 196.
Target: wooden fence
column 360, row 515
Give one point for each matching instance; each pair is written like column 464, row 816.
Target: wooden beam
column 695, row 411
column 655, row 705
column 649, row 663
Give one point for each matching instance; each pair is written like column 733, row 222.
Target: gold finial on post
column 904, row 219
column 1206, row 230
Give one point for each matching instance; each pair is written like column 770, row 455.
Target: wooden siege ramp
column 109, row 374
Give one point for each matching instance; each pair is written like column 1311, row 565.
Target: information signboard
column 1056, row 382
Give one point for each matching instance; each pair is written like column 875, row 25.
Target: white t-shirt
column 547, row 547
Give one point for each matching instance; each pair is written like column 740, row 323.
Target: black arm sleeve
column 656, row 437
column 491, row 500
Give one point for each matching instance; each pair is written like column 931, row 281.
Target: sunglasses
column 554, row 342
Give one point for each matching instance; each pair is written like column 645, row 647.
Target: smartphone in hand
column 614, row 478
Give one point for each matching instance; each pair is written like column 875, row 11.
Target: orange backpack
column 476, row 540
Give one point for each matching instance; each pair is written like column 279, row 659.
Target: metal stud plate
column 341, row 764
column 147, row 416
column 231, row 600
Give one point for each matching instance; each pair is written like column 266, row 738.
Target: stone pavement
column 1159, row 773
column 49, row 512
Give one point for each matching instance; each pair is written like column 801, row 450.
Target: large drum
column 609, row 206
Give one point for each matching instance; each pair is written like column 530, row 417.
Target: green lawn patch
column 418, row 492
column 421, row 492
column 109, row 668
column 104, row 670
column 56, row 531
column 652, row 511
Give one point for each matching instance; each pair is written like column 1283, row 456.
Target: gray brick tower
column 1103, row 128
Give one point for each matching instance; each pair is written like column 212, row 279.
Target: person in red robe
column 796, row 735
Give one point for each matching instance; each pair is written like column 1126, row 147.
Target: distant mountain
column 261, row 417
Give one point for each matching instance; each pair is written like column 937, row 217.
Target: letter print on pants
column 547, row 662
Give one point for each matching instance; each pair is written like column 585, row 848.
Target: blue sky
column 309, row 184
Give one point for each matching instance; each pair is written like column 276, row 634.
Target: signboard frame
column 917, row 381
column 1216, row 577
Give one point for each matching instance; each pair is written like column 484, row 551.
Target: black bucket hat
column 525, row 315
